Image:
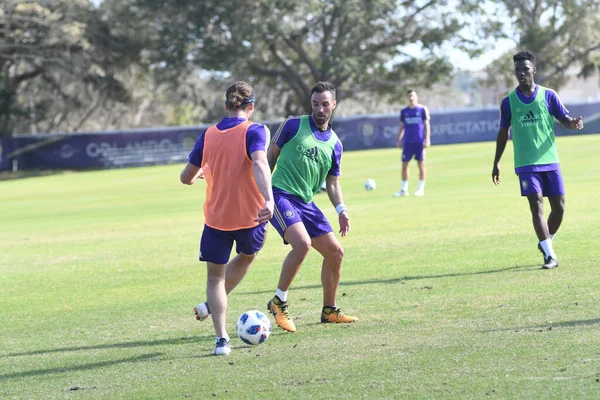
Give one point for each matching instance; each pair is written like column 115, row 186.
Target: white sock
column 281, row 294
column 226, row 338
column 548, row 249
column 404, row 187
column 421, row 186
column 552, row 236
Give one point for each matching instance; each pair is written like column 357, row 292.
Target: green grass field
column 99, row 275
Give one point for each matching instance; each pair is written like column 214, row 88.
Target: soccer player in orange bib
column 231, row 156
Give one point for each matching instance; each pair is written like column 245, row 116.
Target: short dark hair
column 524, row 55
column 409, row 91
column 323, row 86
column 239, row 95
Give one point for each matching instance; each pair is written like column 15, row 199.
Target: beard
column 321, row 119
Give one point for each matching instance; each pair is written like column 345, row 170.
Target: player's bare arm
column 262, row 176
column 572, row 123
column 334, row 191
column 427, row 126
column 400, row 134
column 273, row 155
column 501, row 141
column 190, row 174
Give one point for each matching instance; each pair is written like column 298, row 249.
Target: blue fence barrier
column 170, row 145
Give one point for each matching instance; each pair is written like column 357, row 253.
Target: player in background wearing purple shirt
column 529, row 112
column 413, row 138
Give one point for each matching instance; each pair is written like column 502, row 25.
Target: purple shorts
column 290, row 210
column 548, row 183
column 413, row 149
column 216, row 245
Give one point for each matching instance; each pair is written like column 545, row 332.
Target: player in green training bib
column 305, row 152
column 529, row 111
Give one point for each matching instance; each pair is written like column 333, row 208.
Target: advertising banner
column 104, row 150
column 171, row 145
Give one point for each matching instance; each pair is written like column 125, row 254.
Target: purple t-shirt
column 288, row 130
column 555, row 108
column 414, row 123
column 256, row 139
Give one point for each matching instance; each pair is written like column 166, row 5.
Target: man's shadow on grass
column 59, row 370
column 125, row 345
column 548, row 326
column 407, row 278
column 206, row 353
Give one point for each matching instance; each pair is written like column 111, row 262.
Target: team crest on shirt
column 524, row 184
column 288, row 214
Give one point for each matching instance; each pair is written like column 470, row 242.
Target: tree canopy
column 67, row 65
column 564, row 35
column 58, row 62
column 359, row 45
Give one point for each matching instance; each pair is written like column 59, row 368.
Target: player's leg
column 554, row 189
column 299, row 240
column 420, row 157
column 557, row 205
column 331, row 269
column 217, row 300
column 406, row 157
column 237, row 268
column 536, row 206
column 248, row 242
column 287, row 220
column 532, row 187
column 215, row 248
column 325, row 242
column 405, row 177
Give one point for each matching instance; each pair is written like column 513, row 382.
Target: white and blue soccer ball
column 370, row 184
column 253, row 327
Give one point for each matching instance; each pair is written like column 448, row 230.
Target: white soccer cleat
column 222, row 348
column 201, row 311
column 401, row 193
column 420, row 193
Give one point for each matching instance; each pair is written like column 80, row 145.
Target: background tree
column 564, row 35
column 57, row 64
column 287, row 45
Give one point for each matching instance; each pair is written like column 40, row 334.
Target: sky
column 460, row 60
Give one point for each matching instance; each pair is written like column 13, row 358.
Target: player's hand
column 426, row 144
column 496, row 175
column 200, row 174
column 577, row 123
column 344, row 223
column 265, row 213
column 399, row 143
